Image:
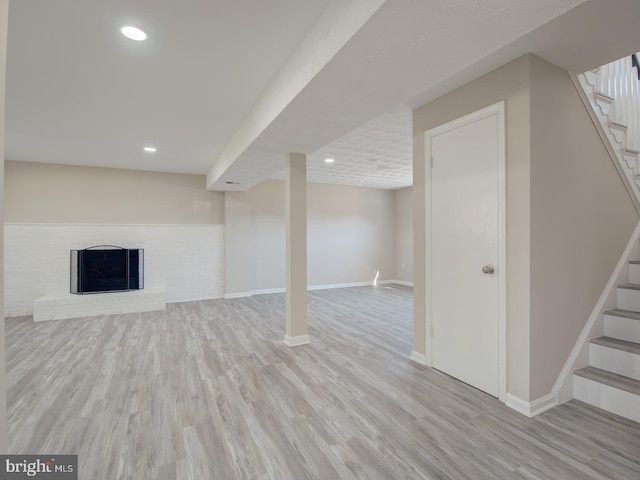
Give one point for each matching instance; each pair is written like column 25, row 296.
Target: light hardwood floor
column 207, row 390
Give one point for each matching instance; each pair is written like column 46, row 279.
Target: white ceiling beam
column 339, row 22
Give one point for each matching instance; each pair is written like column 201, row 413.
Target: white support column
column 296, row 250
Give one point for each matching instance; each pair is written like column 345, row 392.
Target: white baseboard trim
column 517, row 404
column 338, row 285
column 267, row 291
column 193, row 299
column 578, row 358
column 531, row 409
column 396, row 282
column 227, row 296
column 419, row 358
column 296, row 341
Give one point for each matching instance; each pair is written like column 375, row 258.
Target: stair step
column 616, row 356
column 618, row 344
column 608, row 391
column 618, row 312
column 610, row 379
column 628, row 297
column 622, row 324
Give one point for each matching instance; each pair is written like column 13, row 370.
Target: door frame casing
column 497, row 109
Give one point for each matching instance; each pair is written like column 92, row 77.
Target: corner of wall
column 531, row 409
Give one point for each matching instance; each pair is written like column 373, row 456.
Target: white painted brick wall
column 187, row 260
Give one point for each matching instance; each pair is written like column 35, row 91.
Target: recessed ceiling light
column 329, row 160
column 134, row 33
column 150, row 149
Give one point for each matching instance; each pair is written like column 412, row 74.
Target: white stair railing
column 613, row 91
column 619, row 80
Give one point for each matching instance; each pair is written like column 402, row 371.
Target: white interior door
column 466, row 251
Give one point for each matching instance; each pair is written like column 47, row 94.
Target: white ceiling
column 79, row 93
column 412, row 51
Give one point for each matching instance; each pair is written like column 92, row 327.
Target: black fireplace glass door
column 103, row 270
column 99, row 269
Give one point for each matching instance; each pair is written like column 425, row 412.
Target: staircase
column 612, row 379
column 613, row 91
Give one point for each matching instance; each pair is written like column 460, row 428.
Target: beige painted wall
column 581, row 220
column 404, row 234
column 350, row 236
column 268, row 228
column 44, row 193
column 509, row 83
column 568, row 215
column 239, row 243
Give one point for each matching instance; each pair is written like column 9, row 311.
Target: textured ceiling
column 376, row 155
